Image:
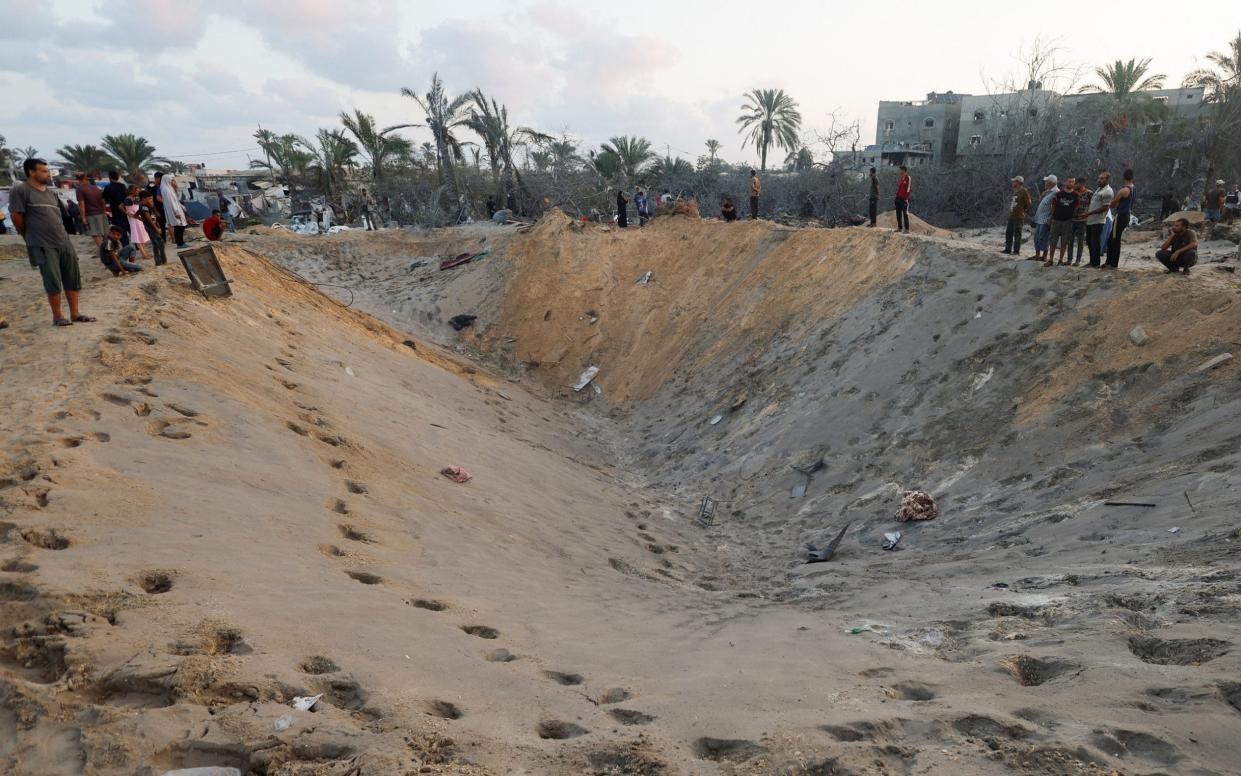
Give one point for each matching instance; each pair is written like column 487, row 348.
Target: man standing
column 1212, row 202
column 366, row 211
column 642, row 206
column 1079, row 219
column 157, row 197
column 1096, row 217
column 1122, row 209
column 904, row 187
column 146, row 214
column 1063, row 205
column 1180, row 250
column 622, row 209
column 35, row 207
column 1042, row 219
column 1017, row 209
column 874, row 197
column 1232, row 203
column 91, row 207
column 756, row 189
column 114, row 194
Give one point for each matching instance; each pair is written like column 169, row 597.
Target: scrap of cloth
column 917, row 505
column 456, row 474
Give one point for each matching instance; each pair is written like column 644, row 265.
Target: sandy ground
column 211, row 507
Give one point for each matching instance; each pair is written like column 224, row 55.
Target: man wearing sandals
column 36, row 213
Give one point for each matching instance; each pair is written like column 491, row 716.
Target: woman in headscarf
column 174, row 213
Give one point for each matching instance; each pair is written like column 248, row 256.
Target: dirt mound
column 887, row 220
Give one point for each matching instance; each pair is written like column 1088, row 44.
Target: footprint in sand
column 365, row 577
column 156, row 581
column 338, row 506
column 428, row 604
column 559, row 730
column 318, row 664
column 355, row 487
column 167, row 430
column 353, row 534
column 443, row 709
column 481, row 631
column 47, row 539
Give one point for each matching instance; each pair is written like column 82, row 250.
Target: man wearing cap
column 1042, row 218
column 1017, row 209
column 1212, row 201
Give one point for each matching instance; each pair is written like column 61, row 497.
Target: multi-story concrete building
column 945, row 127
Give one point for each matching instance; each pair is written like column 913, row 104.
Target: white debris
column 283, row 724
column 646, row 278
column 306, row 702
column 982, row 378
column 586, row 377
column 716, row 419
column 1222, row 358
column 349, row 371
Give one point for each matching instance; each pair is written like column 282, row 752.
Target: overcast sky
column 196, row 77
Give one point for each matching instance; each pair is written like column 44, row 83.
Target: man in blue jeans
column 1042, row 219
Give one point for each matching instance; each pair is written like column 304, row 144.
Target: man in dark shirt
column 146, row 214
column 1063, row 205
column 114, row 194
column 91, row 204
column 1213, row 202
column 1180, row 250
column 1079, row 218
column 873, row 201
column 35, row 208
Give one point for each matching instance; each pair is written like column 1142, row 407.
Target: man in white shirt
column 1096, row 216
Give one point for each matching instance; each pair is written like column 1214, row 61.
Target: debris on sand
column 456, row 474
column 1222, row 358
column 1138, row 336
column 816, row 555
column 647, row 277
column 459, row 322
column 917, row 505
column 891, row 539
column 586, row 377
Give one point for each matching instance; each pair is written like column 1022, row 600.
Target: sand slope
column 212, row 507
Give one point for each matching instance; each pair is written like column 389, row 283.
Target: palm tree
column 1121, row 79
column 134, row 154
column 605, row 163
column 29, row 152
column 280, row 152
column 330, row 154
column 1225, row 73
column 713, row 151
column 630, row 152
column 85, row 158
column 489, row 120
column 668, row 170
column 564, row 155
column 800, row 160
column 378, row 146
column 444, row 115
column 771, row 118
column 1123, row 84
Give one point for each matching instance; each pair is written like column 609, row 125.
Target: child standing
column 137, row 230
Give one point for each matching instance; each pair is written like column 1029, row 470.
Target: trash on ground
column 1128, row 504
column 349, row 371
column 585, row 378
column 1222, row 358
column 459, row 322
column 1138, row 336
column 410, row 344
column 891, row 539
column 416, row 265
column 1175, row 529
column 456, row 474
column 284, row 723
column 798, row 491
column 305, row 702
column 716, row 419
column 462, row 258
column 917, row 505
column 646, row 278
column 816, row 555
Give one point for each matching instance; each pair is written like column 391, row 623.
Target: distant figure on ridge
column 1180, row 251
column 622, row 209
column 1042, row 218
column 1096, row 218
column 1017, row 209
column 756, row 190
column 1122, row 209
column 873, row 201
column 729, row 211
column 904, row 187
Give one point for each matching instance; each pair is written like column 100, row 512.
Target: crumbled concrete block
column 1222, row 358
column 1138, row 336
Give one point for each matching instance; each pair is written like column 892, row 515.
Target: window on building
column 1154, row 128
column 979, row 116
column 1028, row 136
column 1033, row 112
column 1161, row 99
column 1003, row 113
column 889, row 127
column 1189, row 96
column 928, row 122
column 975, row 140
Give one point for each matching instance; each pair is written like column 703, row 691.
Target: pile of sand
column 887, row 220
